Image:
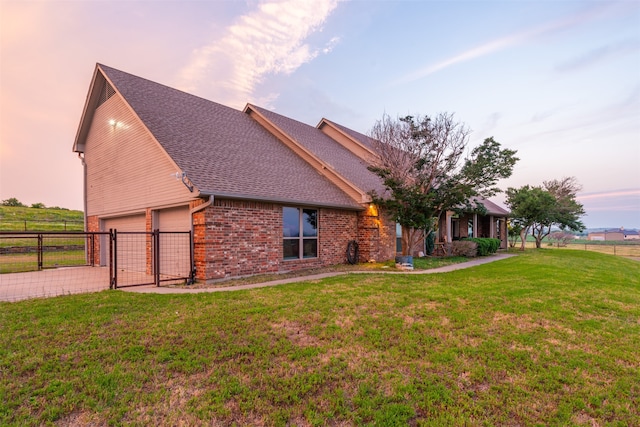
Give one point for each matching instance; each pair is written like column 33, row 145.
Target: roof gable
column 99, row 91
column 223, row 151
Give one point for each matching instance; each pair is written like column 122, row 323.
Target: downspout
column 84, row 188
column 84, row 207
column 191, row 212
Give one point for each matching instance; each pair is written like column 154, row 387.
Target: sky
column 556, row 80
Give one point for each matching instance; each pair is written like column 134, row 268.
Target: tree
column 38, row 205
column 562, row 238
column 12, row 202
column 537, row 209
column 420, row 160
column 513, row 230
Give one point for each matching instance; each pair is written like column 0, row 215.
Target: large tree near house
column 422, row 163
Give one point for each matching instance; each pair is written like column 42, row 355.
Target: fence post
column 92, row 249
column 39, row 251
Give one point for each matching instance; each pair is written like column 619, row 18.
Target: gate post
column 192, row 267
column 156, row 256
column 113, row 259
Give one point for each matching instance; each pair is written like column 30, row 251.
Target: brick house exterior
column 259, row 192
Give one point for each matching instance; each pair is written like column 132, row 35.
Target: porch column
column 492, row 227
column 475, row 225
column 448, row 220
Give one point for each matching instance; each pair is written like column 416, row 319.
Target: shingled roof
column 343, row 161
column 492, row 208
column 228, row 153
column 223, row 151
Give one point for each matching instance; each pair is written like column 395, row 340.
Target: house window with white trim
column 299, row 233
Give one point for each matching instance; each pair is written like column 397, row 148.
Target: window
column 398, row 238
column 299, row 233
column 455, row 228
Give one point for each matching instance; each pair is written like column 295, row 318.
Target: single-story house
column 614, row 234
column 261, row 192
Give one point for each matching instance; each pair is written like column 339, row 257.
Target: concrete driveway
column 54, row 282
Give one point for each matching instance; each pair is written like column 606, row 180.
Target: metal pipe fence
column 36, row 264
column 618, row 249
column 42, row 225
column 29, row 251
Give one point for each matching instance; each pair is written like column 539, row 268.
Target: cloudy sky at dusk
column 559, row 81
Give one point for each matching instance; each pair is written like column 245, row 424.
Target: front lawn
column 545, row 338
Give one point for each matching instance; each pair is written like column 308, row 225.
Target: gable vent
column 106, row 93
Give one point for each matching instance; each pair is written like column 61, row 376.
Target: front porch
column 455, row 227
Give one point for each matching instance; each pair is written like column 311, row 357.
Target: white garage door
column 175, row 243
column 131, row 249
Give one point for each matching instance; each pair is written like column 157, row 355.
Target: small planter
column 404, row 262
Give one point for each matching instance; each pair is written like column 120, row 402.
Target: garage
column 175, row 240
column 131, row 241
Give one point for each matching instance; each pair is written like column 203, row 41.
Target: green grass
column 33, row 219
column 18, row 263
column 545, row 338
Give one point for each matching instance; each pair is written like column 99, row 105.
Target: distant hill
column 35, row 219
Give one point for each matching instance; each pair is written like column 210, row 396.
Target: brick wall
column 93, row 225
column 335, row 229
column 376, row 235
column 148, row 225
column 236, row 238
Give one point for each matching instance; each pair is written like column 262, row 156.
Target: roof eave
column 278, row 200
column 87, row 113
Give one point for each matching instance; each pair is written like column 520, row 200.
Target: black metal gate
column 38, row 264
column 150, row 258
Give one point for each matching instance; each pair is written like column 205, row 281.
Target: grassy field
column 545, row 338
column 17, row 263
column 33, row 219
column 40, row 220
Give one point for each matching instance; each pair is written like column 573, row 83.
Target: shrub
column 466, row 248
column 486, row 246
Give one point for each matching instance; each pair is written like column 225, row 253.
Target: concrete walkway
column 445, row 269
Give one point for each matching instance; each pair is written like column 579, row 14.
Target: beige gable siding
column 127, row 169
